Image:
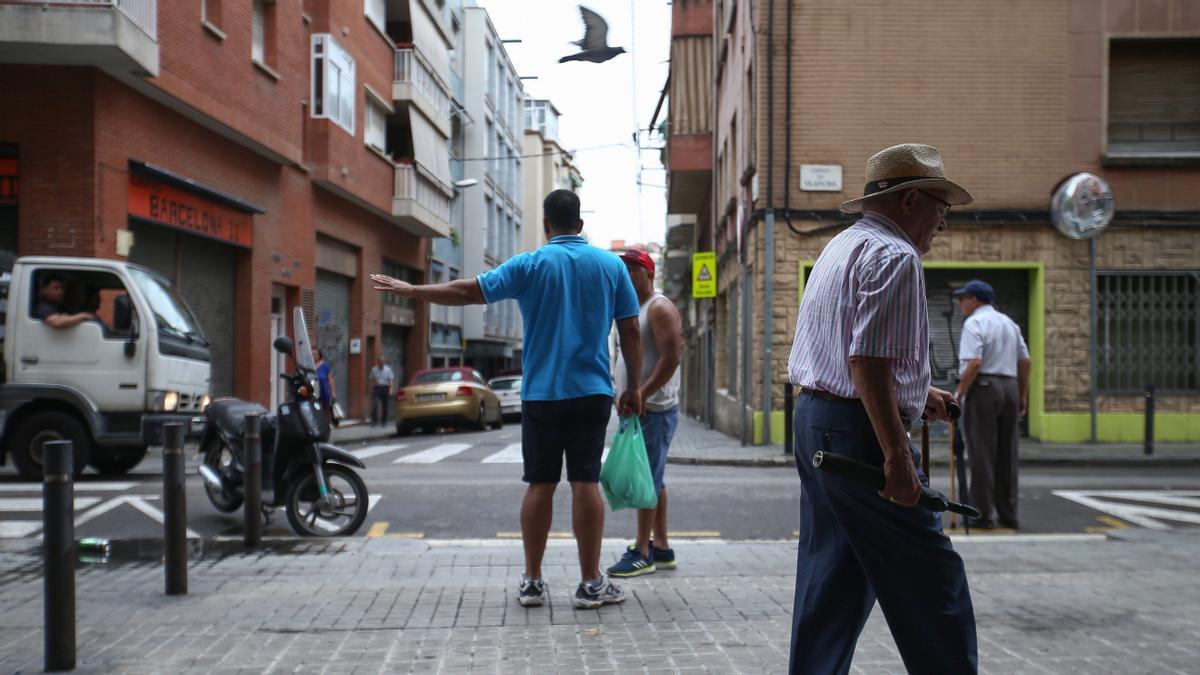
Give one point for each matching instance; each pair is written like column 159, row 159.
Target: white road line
column 35, row 503
column 435, row 454
column 1139, row 514
column 11, row 529
column 79, row 487
column 378, row 450
column 372, row 500
column 511, row 454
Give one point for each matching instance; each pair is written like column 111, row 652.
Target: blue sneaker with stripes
column 632, row 564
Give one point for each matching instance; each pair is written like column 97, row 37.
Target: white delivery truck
column 104, row 359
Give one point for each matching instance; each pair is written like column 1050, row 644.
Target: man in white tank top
column 662, row 344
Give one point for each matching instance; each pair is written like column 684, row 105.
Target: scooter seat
column 229, row 414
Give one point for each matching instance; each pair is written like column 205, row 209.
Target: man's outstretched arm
column 453, row 293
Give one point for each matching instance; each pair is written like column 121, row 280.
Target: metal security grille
column 333, row 329
column 1148, row 331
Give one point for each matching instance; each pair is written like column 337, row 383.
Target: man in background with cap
column 662, row 344
column 861, row 360
column 994, row 390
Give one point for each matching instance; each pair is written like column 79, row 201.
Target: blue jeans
column 856, row 547
column 658, row 428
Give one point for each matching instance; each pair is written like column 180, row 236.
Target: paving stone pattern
column 407, row 606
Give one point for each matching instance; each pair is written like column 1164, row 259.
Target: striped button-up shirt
column 865, row 297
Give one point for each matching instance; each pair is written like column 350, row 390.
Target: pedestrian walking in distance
column 570, row 292
column 993, row 390
column 861, row 359
column 382, row 380
column 662, row 344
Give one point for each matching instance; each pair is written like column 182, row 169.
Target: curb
column 1092, row 462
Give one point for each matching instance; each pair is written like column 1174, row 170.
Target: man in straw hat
column 861, row 360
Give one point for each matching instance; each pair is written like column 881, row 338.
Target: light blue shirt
column 570, row 292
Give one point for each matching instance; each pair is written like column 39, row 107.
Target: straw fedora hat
column 905, row 167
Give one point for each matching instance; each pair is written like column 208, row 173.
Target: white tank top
column 665, row 398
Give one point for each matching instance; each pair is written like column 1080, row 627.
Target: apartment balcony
column 417, row 83
column 420, row 203
column 117, row 36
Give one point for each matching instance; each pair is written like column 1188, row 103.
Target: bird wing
column 595, row 33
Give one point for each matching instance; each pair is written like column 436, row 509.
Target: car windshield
column 438, row 376
column 504, row 385
column 170, row 313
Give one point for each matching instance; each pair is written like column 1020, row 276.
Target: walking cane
column 953, row 482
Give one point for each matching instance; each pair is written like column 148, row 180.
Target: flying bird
column 594, row 45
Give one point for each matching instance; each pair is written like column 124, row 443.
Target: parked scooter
column 311, row 480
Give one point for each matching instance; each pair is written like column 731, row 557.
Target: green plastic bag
column 625, row 476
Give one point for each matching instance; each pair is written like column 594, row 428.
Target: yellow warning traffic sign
column 704, row 275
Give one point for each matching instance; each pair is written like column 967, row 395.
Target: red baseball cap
column 640, row 257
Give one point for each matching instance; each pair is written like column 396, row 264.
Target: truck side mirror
column 122, row 314
column 283, row 345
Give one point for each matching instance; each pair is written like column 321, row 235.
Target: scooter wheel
column 340, row 516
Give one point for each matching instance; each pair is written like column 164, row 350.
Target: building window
column 489, row 81
column 1154, row 96
column 261, row 35
column 376, row 11
column 333, row 82
column 210, row 12
column 376, row 125
column 1148, row 331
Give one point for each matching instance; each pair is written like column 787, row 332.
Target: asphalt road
column 439, row 486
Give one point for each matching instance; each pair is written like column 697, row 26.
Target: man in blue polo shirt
column 570, row 293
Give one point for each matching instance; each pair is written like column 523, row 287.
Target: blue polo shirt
column 570, row 292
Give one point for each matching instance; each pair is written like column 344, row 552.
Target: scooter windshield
column 304, row 348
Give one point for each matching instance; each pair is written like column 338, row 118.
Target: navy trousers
column 856, row 548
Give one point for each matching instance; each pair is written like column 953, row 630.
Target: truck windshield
column 170, row 312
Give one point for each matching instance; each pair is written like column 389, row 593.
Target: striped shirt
column 865, row 297
column 994, row 339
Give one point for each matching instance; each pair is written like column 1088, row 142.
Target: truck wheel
column 117, row 461
column 50, row 425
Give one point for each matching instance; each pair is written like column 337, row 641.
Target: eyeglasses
column 939, row 200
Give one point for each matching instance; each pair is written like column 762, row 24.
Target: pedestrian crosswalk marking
column 378, row 450
column 511, row 454
column 10, row 504
column 18, row 528
column 435, row 454
column 1149, row 514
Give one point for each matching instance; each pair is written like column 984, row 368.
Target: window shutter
column 258, row 31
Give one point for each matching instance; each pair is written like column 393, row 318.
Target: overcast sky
column 601, row 104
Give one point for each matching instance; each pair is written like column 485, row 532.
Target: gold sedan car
column 447, row 397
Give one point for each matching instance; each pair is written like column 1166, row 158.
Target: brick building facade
column 1016, row 96
column 213, row 107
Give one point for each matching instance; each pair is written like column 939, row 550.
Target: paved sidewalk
column 409, row 606
column 696, row 444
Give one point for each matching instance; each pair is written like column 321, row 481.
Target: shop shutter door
column 206, row 282
column 394, row 340
column 333, row 329
column 945, row 319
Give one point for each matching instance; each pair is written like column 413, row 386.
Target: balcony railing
column 412, row 184
column 412, row 68
column 143, row 13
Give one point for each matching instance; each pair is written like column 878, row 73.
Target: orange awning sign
column 167, row 205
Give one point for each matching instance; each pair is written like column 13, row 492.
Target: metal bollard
column 1149, row 448
column 253, row 484
column 789, row 396
column 58, row 543
column 174, row 510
